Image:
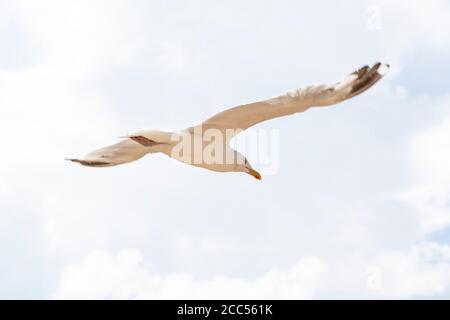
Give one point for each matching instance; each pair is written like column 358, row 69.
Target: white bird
column 188, row 145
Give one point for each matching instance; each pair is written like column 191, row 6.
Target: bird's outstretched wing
column 127, row 150
column 299, row 100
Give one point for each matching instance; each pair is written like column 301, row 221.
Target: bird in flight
column 189, row 145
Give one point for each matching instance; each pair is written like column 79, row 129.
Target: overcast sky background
column 360, row 207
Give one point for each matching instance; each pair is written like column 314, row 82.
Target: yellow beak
column 255, row 174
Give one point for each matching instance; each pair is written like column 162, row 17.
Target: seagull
column 189, row 145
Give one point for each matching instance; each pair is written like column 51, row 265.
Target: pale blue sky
column 358, row 209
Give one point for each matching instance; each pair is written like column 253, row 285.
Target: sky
column 358, row 208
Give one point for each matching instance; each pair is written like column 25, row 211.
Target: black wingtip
column 361, row 71
column 368, row 79
column 376, row 65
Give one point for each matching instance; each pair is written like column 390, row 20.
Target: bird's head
column 244, row 166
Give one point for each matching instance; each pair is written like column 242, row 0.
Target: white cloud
column 424, row 28
column 80, row 37
column 429, row 156
column 126, row 276
column 421, row 271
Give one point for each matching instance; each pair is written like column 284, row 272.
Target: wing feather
column 123, row 152
column 242, row 117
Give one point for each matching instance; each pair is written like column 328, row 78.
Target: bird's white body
column 207, row 144
column 202, row 149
